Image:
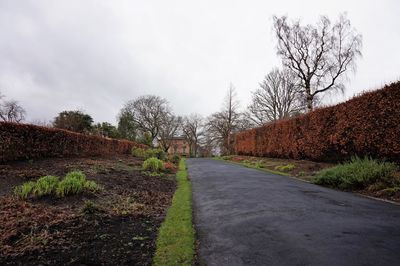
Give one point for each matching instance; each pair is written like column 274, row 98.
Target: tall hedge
column 20, row 141
column 367, row 125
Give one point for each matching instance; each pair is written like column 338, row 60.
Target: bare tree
column 147, row 113
column 278, row 97
column 221, row 125
column 168, row 130
column 193, row 130
column 319, row 55
column 11, row 111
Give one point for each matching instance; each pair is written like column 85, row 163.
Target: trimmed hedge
column 20, row 141
column 367, row 125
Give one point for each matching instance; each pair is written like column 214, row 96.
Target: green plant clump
column 175, row 159
column 148, row 153
column 153, row 165
column 45, row 185
column 139, row 152
column 356, row 174
column 23, row 191
column 73, row 183
column 285, row 168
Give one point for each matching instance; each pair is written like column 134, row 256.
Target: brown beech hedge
column 20, row 141
column 367, row 125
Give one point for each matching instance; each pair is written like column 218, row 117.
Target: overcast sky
column 96, row 55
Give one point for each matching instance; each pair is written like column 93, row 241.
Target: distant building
column 179, row 145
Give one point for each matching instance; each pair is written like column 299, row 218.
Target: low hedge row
column 367, row 125
column 21, row 141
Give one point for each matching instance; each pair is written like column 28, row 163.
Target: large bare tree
column 193, row 130
column 11, row 111
column 148, row 114
column 320, row 55
column 169, row 128
column 223, row 124
column 278, row 97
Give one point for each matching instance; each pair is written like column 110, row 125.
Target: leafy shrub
column 285, row 168
column 153, row 165
column 157, row 153
column 356, row 174
column 23, row 191
column 45, row 185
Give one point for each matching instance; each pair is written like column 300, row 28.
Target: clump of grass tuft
column 285, row 168
column 356, row 174
column 45, row 185
column 89, row 207
column 23, row 191
column 259, row 164
column 153, row 165
column 73, row 183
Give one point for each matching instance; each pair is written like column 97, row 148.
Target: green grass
column 175, row 242
column 246, row 163
column 285, row 168
column 153, row 165
column 357, row 174
column 73, row 183
column 23, row 191
column 45, row 185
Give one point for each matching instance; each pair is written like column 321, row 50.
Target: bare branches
column 278, row 97
column 221, row 125
column 193, row 130
column 148, row 113
column 319, row 55
column 11, row 111
column 168, row 129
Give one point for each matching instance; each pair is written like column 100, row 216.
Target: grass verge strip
column 175, row 242
column 249, row 165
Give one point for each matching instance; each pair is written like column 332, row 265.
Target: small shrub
column 285, row 168
column 75, row 182
column 23, row 191
column 45, row 185
column 356, row 174
column 169, row 167
column 91, row 186
column 89, row 207
column 153, row 165
column 139, row 152
column 157, row 153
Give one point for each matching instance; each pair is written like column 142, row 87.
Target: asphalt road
column 249, row 217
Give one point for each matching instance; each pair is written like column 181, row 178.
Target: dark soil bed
column 119, row 227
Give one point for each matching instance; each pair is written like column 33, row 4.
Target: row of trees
column 315, row 60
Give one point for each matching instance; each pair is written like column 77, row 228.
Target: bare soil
column 120, row 227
